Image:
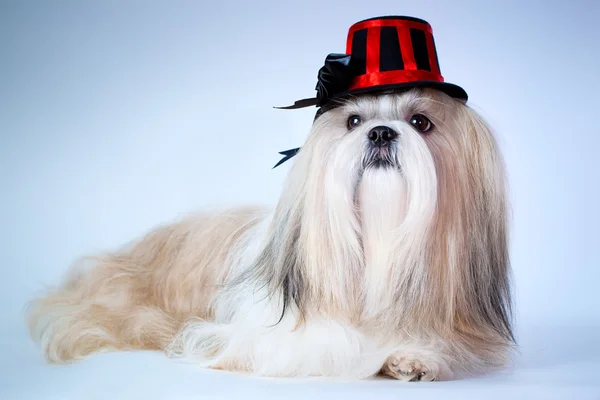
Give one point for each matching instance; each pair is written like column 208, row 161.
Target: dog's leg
column 412, row 362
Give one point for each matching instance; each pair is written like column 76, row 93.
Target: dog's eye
column 421, row 123
column 354, row 121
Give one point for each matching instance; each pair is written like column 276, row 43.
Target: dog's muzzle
column 381, row 147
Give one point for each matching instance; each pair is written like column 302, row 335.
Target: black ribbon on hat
column 334, row 77
column 287, row 154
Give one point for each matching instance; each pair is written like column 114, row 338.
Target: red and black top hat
column 383, row 53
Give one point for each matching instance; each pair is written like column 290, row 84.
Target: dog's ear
column 284, row 273
column 468, row 257
column 489, row 262
column 471, row 228
column 277, row 269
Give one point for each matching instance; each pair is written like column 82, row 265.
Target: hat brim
column 450, row 89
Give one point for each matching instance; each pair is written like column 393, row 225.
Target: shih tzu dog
column 386, row 253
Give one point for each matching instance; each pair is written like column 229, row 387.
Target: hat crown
column 392, row 49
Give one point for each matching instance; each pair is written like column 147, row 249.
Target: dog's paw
column 413, row 368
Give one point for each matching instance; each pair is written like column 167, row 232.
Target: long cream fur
column 358, row 270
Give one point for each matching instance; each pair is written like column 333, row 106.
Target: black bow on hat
column 334, row 77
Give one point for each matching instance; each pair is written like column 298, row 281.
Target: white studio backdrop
column 116, row 116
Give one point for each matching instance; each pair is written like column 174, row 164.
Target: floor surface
column 556, row 362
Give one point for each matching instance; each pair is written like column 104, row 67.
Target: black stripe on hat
column 419, row 43
column 390, row 55
column 359, row 51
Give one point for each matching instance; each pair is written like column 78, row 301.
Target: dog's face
column 372, row 131
column 396, row 149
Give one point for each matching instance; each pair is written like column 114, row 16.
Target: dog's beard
column 381, row 203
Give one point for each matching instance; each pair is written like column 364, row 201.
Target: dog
column 385, row 254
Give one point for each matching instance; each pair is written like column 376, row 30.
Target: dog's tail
column 99, row 309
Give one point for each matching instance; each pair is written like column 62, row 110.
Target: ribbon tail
column 287, row 155
column 300, row 104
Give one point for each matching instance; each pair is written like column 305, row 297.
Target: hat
column 382, row 54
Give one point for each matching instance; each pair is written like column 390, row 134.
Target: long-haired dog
column 387, row 252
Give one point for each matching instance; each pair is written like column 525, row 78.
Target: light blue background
column 119, row 115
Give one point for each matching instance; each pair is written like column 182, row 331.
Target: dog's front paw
column 414, row 368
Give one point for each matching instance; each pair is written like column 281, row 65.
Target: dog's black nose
column 382, row 135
